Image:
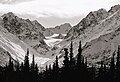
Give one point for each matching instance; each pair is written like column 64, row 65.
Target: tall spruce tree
column 56, row 63
column 36, row 69
column 17, row 66
column 71, row 55
column 10, row 65
column 79, row 56
column 26, row 62
column 33, row 64
column 50, row 67
column 112, row 69
column 66, row 58
column 118, row 58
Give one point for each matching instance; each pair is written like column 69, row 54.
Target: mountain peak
column 102, row 9
column 9, row 14
column 66, row 24
column 114, row 9
column 94, row 17
column 38, row 25
column 63, row 25
column 35, row 21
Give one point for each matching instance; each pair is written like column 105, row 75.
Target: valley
column 98, row 33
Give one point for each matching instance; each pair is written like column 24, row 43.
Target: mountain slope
column 103, row 47
column 11, row 46
column 91, row 20
column 98, row 24
column 27, row 31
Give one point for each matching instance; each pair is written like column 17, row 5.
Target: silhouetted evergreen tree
column 36, row 69
column 79, row 56
column 10, row 65
column 56, row 64
column 22, row 67
column 72, row 62
column 17, row 66
column 50, row 67
column 66, row 59
column 33, row 64
column 26, row 62
column 111, row 74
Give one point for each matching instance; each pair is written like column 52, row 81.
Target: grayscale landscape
column 46, row 33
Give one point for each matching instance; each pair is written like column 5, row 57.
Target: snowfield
column 51, row 41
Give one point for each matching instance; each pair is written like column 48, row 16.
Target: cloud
column 53, row 12
column 57, row 8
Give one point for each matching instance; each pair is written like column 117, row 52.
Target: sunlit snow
column 51, row 41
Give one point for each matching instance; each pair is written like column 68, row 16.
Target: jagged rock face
column 114, row 9
column 62, row 29
column 25, row 30
column 92, row 19
column 97, row 39
column 38, row 26
column 19, row 26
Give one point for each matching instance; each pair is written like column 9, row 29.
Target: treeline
column 74, row 69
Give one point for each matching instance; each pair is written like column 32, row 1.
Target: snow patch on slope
column 51, row 41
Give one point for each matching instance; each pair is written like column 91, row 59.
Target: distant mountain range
column 99, row 32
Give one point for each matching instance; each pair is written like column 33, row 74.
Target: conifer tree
column 79, row 56
column 65, row 70
column 56, row 64
column 26, row 62
column 118, row 58
column 18, row 67
column 46, row 68
column 33, row 64
column 112, row 69
column 66, row 58
column 10, row 65
column 71, row 55
column 50, row 67
column 22, row 67
column 36, row 69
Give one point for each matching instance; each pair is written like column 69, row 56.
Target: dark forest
column 74, row 69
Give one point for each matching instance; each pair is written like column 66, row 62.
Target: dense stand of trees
column 73, row 69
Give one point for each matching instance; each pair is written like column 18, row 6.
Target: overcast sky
column 54, row 12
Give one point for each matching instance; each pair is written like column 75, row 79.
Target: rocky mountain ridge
column 27, row 31
column 96, row 25
column 61, row 29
